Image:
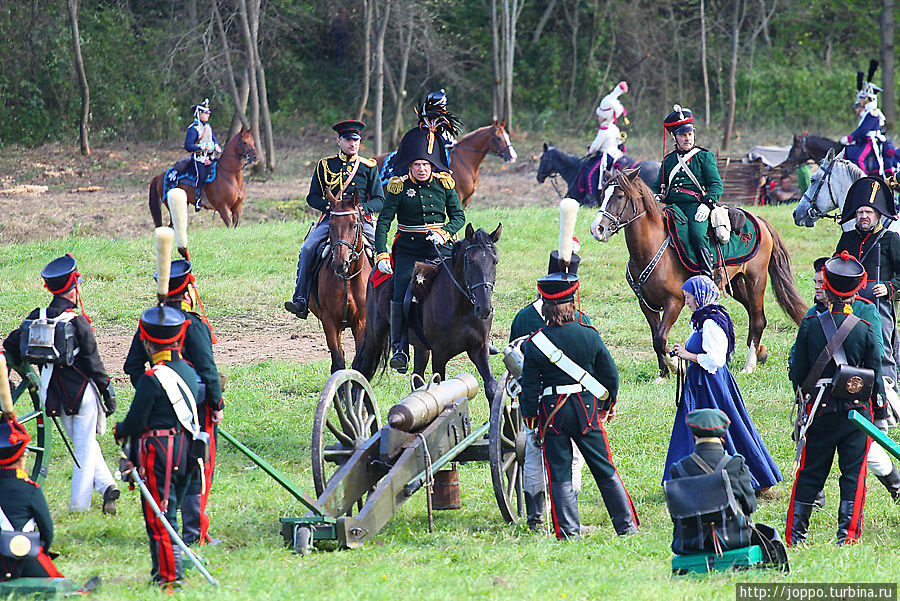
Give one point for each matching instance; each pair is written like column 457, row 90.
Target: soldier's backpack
column 49, row 340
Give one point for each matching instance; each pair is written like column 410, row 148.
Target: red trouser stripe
column 859, row 499
column 550, row 494
column 209, row 428
column 790, row 515
column 48, row 565
column 164, row 551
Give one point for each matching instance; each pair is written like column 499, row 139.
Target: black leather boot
column 400, row 357
column 534, row 508
column 190, row 518
column 845, row 516
column 619, row 506
column 198, row 202
column 565, row 511
column 800, row 524
column 892, row 484
column 706, row 264
column 819, row 501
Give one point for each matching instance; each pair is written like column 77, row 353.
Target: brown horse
column 628, row 204
column 456, row 313
column 224, row 194
column 467, row 154
column 340, row 298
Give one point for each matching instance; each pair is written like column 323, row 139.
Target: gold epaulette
column 446, row 179
column 395, row 184
column 368, row 162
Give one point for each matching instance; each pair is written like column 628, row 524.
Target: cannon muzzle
column 421, row 407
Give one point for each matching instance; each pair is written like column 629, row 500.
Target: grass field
column 472, row 553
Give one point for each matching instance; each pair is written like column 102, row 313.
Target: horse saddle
column 870, row 162
column 183, row 171
column 742, row 244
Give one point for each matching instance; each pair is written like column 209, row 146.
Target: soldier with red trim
column 158, row 440
column 569, row 388
column 828, row 428
column 197, row 351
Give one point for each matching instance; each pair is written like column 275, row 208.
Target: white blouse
column 715, row 347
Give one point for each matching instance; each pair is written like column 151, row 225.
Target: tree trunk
column 246, row 36
column 889, row 103
column 539, row 29
column 511, row 10
column 732, row 75
column 703, row 62
column 192, row 13
column 496, row 53
column 83, row 141
column 406, row 35
column 261, row 86
column 240, row 114
column 379, row 74
column 368, row 9
column 573, row 36
column 229, row 71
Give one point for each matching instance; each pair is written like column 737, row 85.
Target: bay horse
column 554, row 161
column 629, row 205
column 456, row 313
column 225, row 194
column 809, row 148
column 340, row 295
column 468, row 153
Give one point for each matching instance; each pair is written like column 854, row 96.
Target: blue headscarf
column 706, row 293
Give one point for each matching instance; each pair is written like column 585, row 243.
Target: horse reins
column 616, row 223
column 467, row 292
column 354, row 253
column 245, row 159
column 814, row 212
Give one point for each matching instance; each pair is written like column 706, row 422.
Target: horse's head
column 827, row 189
column 624, row 198
column 797, row 155
column 246, row 146
column 500, row 144
column 345, row 233
column 547, row 167
column 475, row 259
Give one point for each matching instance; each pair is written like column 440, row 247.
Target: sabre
column 65, row 440
column 801, row 439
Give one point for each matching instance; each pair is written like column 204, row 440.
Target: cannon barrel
column 421, row 407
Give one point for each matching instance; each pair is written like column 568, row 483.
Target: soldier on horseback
column 201, row 142
column 336, row 176
column 868, row 137
column 608, row 141
column 690, row 184
column 428, row 214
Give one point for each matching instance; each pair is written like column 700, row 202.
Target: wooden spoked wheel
column 506, row 444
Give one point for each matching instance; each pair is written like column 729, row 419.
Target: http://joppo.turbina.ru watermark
column 829, row 591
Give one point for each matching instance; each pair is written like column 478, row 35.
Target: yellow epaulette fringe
column 395, row 184
column 446, row 180
column 368, row 162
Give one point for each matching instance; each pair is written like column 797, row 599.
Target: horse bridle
column 244, row 154
column 814, row 212
column 616, row 220
column 468, row 291
column 354, row 254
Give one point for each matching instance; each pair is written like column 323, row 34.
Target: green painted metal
column 41, row 435
column 877, row 435
column 452, row 453
column 276, row 475
column 701, row 563
column 37, row 588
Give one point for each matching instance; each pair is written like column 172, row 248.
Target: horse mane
column 472, row 134
column 638, row 189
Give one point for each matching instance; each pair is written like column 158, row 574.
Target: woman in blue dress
column 709, row 384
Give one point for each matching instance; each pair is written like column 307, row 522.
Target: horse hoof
column 763, row 354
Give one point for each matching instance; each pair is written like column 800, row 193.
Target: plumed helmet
column 844, row 275
column 679, row 121
column 555, row 267
column 203, row 107
column 162, row 325
column 421, row 144
column 870, row 191
column 867, row 91
column 60, row 275
column 610, row 107
column 13, row 441
column 558, row 288
column 438, row 97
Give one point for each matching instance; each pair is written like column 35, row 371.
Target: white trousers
column 533, row 478
column 93, row 474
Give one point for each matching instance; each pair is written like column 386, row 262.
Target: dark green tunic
column 528, row 321
column 22, row 500
column 366, row 181
column 151, row 408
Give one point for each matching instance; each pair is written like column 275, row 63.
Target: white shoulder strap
column 572, row 369
column 539, row 307
column 681, row 164
column 180, row 396
column 6, row 525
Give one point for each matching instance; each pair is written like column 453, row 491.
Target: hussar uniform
column 201, row 142
column 868, row 137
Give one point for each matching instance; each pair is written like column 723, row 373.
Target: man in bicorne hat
column 338, row 175
column 830, row 430
column 569, row 388
column 80, row 394
column 690, row 184
column 201, row 142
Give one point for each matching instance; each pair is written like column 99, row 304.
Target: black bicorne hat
column 420, row 143
column 162, row 325
column 179, row 276
column 708, row 422
column 870, row 191
column 844, row 275
column 350, row 129
column 554, row 266
column 679, row 121
column 61, row 274
column 558, row 288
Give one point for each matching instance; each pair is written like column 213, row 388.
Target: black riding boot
column 198, row 194
column 845, row 516
column 800, row 525
column 298, row 305
column 534, row 508
column 190, row 518
column 619, row 506
column 400, row 359
column 892, row 484
column 706, row 263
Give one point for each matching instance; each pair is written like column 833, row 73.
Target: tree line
column 123, row 70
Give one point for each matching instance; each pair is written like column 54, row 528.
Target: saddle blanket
column 182, row 171
column 742, row 246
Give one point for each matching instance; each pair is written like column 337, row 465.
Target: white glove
column 702, row 213
column 218, row 149
column 384, row 266
column 435, row 237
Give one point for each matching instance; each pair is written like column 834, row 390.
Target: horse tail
column 155, row 207
column 786, row 292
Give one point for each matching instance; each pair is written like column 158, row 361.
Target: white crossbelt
column 565, row 389
column 572, row 369
column 6, row 525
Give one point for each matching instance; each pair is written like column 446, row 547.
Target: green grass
column 472, row 553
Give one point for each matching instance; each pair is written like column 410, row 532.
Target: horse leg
column 752, row 290
column 333, row 339
column 374, row 339
column 661, row 335
column 236, row 211
column 155, row 209
column 421, row 356
column 223, row 212
column 481, row 358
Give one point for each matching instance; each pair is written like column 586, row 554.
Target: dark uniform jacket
column 858, row 243
column 862, row 308
column 196, row 350
column 860, row 348
column 68, row 384
column 151, row 408
column 366, row 181
column 528, row 321
column 583, row 345
column 22, row 500
column 419, row 204
column 703, row 165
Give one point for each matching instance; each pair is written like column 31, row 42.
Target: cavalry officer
column 157, row 439
column 608, row 141
column 74, row 392
column 565, row 411
column 868, row 137
column 339, row 174
column 197, row 351
column 692, row 198
column 428, row 214
column 830, row 429
column 201, row 142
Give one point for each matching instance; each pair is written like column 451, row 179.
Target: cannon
column 29, row 407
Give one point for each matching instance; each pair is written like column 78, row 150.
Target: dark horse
column 467, row 154
column 224, row 194
column 809, row 148
column 569, row 166
column 340, row 298
column 630, row 205
column 456, row 313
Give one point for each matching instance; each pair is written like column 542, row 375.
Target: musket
column 801, row 439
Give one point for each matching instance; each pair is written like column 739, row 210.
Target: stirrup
column 399, row 361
